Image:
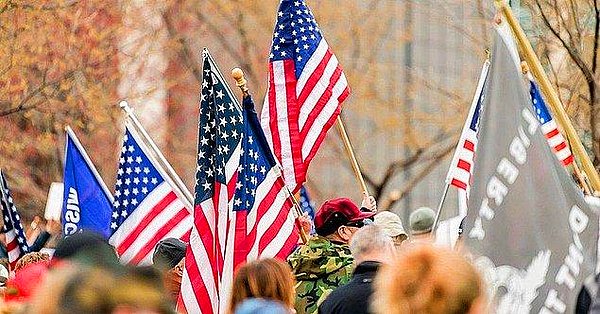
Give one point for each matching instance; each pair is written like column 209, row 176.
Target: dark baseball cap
column 169, row 252
column 338, row 212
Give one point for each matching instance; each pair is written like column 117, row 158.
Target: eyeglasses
column 360, row 223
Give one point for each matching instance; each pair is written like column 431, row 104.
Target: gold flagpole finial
column 240, row 80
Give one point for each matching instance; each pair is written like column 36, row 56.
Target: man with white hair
column 370, row 247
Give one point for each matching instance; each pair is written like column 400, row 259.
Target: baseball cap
column 390, row 224
column 421, row 220
column 169, row 252
column 338, row 212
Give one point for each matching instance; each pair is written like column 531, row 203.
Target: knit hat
column 336, row 213
column 421, row 220
column 390, row 224
column 169, row 252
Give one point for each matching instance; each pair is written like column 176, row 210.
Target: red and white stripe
column 557, row 142
column 161, row 215
column 267, row 230
column 297, row 114
column 461, row 167
column 12, row 247
column 204, row 263
column 164, row 213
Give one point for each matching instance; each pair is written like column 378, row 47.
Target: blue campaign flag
column 87, row 203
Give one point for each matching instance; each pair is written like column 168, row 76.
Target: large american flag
column 16, row 243
column 219, row 144
column 242, row 210
column 306, row 89
column 147, row 206
column 461, row 167
column 549, row 128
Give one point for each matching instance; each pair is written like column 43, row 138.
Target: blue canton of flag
column 87, row 204
column 136, row 177
column 296, row 34
column 220, row 132
column 256, row 160
column 16, row 243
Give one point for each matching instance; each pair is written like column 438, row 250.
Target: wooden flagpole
column 240, row 81
column 551, row 95
column 350, row 151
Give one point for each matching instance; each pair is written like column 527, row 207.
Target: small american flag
column 147, row 207
column 306, row 89
column 549, row 128
column 461, row 167
column 16, row 243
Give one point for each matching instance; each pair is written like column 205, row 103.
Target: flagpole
column 350, row 151
column 87, row 159
column 161, row 158
column 551, row 95
column 241, row 82
column 439, row 210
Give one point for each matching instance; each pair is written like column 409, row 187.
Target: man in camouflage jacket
column 325, row 262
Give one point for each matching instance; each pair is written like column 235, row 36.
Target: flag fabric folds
column 219, row 144
column 263, row 224
column 147, row 206
column 461, row 167
column 531, row 233
column 16, row 243
column 241, row 211
column 306, row 89
column 87, row 203
column 548, row 125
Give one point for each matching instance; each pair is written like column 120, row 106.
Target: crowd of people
column 357, row 261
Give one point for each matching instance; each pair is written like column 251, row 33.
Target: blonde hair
column 425, row 279
column 267, row 279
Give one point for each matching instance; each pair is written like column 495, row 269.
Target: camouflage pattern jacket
column 320, row 267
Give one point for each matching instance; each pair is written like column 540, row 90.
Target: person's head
column 338, row 219
column 25, row 283
column 421, row 222
column 168, row 253
column 391, row 225
column 427, row 279
column 268, row 278
column 86, row 248
column 32, row 258
column 371, row 244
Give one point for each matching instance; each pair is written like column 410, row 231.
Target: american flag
column 263, row 224
column 549, row 128
column 242, row 210
column 16, row 243
column 461, row 167
column 147, row 207
column 219, row 145
column 306, row 89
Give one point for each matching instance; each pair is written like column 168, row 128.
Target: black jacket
column 354, row 297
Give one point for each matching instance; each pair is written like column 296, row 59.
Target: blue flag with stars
column 87, row 204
